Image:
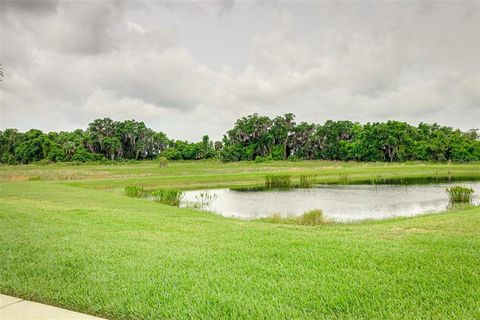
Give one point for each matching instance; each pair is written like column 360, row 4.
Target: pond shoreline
column 340, row 203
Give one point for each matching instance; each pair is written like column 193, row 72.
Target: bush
column 171, row 197
column 172, row 154
column 280, row 181
column 134, row 191
column 231, row 153
column 8, row 159
column 162, row 162
column 259, row 159
column 459, row 194
column 277, row 152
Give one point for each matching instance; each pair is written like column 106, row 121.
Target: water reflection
column 338, row 202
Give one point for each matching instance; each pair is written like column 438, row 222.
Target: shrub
column 460, row 194
column 162, row 162
column 259, row 159
column 280, row 181
column 231, row 153
column 134, row 191
column 171, row 197
column 172, row 154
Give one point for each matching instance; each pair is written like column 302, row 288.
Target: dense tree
column 9, row 140
column 281, row 132
column 303, row 142
column 184, row 150
column 253, row 137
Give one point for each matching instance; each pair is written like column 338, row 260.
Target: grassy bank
column 210, row 174
column 104, row 253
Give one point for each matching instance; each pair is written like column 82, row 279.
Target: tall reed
column 307, row 181
column 342, row 178
column 311, row 218
column 460, row 194
column 171, row 197
column 134, row 191
column 278, row 181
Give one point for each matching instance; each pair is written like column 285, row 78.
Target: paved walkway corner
column 12, row 308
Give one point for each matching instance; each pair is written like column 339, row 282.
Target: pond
column 338, row 202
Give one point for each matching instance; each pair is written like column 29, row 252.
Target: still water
column 338, row 202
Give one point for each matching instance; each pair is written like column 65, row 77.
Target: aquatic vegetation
column 134, row 191
column 460, row 194
column 204, row 200
column 171, row 197
column 307, row 181
column 311, row 218
column 278, row 181
column 342, row 178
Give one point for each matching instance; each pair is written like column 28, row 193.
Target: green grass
column 84, row 246
column 211, row 173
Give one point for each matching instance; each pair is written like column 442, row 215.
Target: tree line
column 253, row 137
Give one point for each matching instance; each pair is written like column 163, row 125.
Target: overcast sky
column 193, row 68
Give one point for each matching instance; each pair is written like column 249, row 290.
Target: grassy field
column 74, row 240
column 210, row 174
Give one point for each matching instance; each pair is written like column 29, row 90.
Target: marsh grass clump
column 134, row 191
column 342, row 178
column 460, row 194
column 171, row 197
column 162, row 162
column 307, row 181
column 311, row 218
column 278, row 181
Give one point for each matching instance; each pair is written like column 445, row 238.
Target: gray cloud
column 193, row 68
column 34, row 6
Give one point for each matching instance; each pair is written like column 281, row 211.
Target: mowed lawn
column 77, row 245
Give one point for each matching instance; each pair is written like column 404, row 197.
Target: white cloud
column 67, row 63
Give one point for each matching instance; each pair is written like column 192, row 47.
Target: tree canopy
column 253, row 137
